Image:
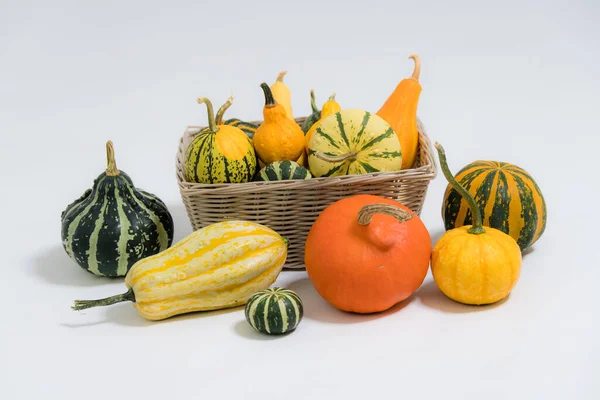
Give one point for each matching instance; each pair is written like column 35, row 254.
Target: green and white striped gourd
column 274, row 311
column 353, row 142
column 114, row 224
column 283, row 171
column 219, row 154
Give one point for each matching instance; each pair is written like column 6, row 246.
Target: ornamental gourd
column 283, row 171
column 507, row 196
column 218, row 266
column 278, row 138
column 248, row 128
column 274, row 311
column 473, row 264
column 283, row 95
column 366, row 253
column 353, row 141
column 330, row 107
column 114, row 224
column 219, row 153
column 315, row 114
column 400, row 111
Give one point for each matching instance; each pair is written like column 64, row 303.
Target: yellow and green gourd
column 353, row 141
column 219, row 154
column 274, row 311
column 248, row 128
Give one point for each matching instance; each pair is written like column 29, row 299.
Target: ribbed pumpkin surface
column 508, row 197
column 282, row 171
column 226, row 156
column 215, row 267
column 375, row 144
column 274, row 311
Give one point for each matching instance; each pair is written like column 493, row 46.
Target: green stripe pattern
column 283, row 171
column 274, row 311
column 114, row 225
column 248, row 128
column 508, row 197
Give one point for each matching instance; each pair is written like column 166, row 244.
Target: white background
column 512, row 81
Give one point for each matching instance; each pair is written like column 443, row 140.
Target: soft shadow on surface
column 243, row 329
column 124, row 314
column 54, row 266
column 317, row 308
column 181, row 221
column 431, row 296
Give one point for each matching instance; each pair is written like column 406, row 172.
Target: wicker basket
column 291, row 207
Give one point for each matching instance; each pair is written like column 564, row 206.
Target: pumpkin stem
column 221, row 111
column 269, row 99
column 280, row 76
column 212, row 126
column 286, row 241
column 83, row 304
column 365, row 215
column 417, row 71
column 111, row 164
column 313, row 102
column 477, row 227
column 335, row 159
column 332, row 97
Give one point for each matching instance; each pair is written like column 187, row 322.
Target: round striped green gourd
column 283, row 171
column 219, row 154
column 274, row 311
column 352, row 142
column 508, row 197
column 114, row 224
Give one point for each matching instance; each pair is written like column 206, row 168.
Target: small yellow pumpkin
column 473, row 264
column 283, row 95
column 278, row 138
column 330, row 107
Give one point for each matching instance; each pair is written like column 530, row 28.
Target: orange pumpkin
column 366, row 253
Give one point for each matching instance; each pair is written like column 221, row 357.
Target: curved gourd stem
column 280, row 76
column 83, row 304
column 335, row 159
column 221, row 111
column 417, row 71
column 366, row 213
column 313, row 101
column 111, row 164
column 269, row 99
column 212, row 126
column 477, row 227
column 332, row 97
column 286, row 241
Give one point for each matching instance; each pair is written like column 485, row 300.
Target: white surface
column 513, row 80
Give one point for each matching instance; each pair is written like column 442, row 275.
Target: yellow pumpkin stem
column 111, row 168
column 332, row 97
column 477, row 227
column 417, row 71
column 221, row 111
column 280, row 76
column 212, row 126
column 366, row 213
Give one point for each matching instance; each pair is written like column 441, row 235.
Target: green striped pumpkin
column 219, row 154
column 353, row 142
column 114, row 224
column 508, row 197
column 274, row 311
column 283, row 171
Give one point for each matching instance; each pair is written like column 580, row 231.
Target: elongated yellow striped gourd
column 216, row 267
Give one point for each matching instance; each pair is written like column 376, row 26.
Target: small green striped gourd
column 351, row 142
column 248, row 128
column 219, row 154
column 508, row 197
column 274, row 311
column 283, row 171
column 114, row 224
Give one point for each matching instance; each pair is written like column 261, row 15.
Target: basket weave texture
column 291, row 207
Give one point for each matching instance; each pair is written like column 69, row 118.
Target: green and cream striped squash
column 274, row 311
column 353, row 142
column 219, row 154
column 114, row 224
column 508, row 197
column 283, row 171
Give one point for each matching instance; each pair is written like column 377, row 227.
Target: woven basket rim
column 427, row 170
